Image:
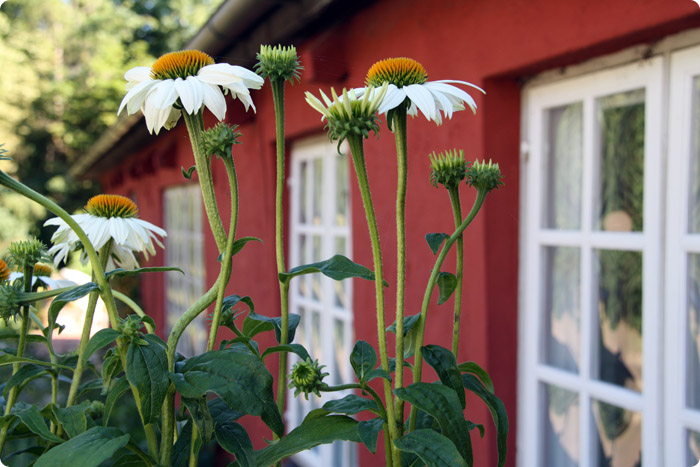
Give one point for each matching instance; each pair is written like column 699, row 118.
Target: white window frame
column 181, row 290
column 307, row 151
column 684, row 66
column 648, row 74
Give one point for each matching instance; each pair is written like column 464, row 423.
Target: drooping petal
column 422, row 98
column 191, row 93
column 134, row 99
column 453, row 92
column 393, row 98
column 214, row 100
column 137, row 75
column 223, row 74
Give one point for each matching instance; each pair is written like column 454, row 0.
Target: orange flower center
column 111, row 206
column 43, row 270
column 4, row 271
column 180, row 64
column 399, row 71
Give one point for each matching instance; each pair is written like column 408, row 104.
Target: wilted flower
column 408, row 79
column 108, row 217
column 189, row 80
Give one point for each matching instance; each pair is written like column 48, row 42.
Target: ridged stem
column 358, row 158
column 457, row 214
column 420, row 333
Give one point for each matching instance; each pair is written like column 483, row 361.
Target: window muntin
column 320, row 228
column 185, row 250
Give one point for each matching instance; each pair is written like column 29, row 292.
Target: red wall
column 495, row 44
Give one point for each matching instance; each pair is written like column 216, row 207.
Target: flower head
column 448, row 168
column 408, row 82
column 349, row 114
column 186, row 80
column 307, row 377
column 279, row 63
column 108, row 217
column 220, row 139
column 25, row 253
column 4, row 271
column 483, row 176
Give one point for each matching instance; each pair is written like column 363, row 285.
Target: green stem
column 193, row 445
column 24, row 330
column 277, row 86
column 134, row 307
column 399, row 123
column 227, row 260
column 420, row 333
column 195, row 128
column 457, row 213
column 358, row 158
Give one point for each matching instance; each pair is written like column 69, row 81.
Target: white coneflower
column 108, row 217
column 42, row 273
column 185, row 80
column 408, row 79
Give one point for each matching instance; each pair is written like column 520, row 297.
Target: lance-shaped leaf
column 24, row 375
column 239, row 243
column 8, row 359
column 434, row 449
column 351, row 404
column 435, row 240
column 410, row 332
column 188, row 173
column 88, row 449
column 337, row 268
column 294, row 348
column 445, row 365
column 222, row 413
column 199, row 412
column 255, row 324
column 369, row 432
column 447, row 283
column 475, row 369
column 363, row 359
column 498, row 413
column 72, row 418
column 443, row 404
column 233, row 437
column 115, row 392
column 317, row 428
column 119, row 272
column 147, row 371
column 182, row 447
column 101, row 338
column 35, row 422
column 239, row 378
column 66, row 297
column 233, row 300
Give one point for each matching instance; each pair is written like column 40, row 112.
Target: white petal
column 134, row 99
column 138, row 74
column 393, row 98
column 223, row 74
column 191, row 94
column 214, row 100
column 452, row 91
column 422, row 98
column 459, row 82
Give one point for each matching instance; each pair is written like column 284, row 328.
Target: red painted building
column 582, row 271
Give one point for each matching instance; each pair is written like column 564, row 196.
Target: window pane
column 562, row 307
column 618, row 435
column 303, row 281
column 619, row 359
column 563, row 170
column 693, row 327
column 316, row 283
column 341, row 191
column 694, row 195
column 620, row 199
column 317, row 200
column 303, row 188
column 341, row 287
column 340, row 353
column 560, row 427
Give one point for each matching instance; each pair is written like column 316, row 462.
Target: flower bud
column 220, row 139
column 278, row 63
column 307, row 377
column 447, row 168
column 9, row 300
column 483, row 176
column 26, row 253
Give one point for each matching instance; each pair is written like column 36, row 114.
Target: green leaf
column 111, row 366
column 408, row 324
column 445, row 365
column 241, row 242
column 101, row 338
column 115, row 392
column 498, row 413
column 25, row 374
column 199, row 412
column 482, row 430
column 337, row 268
column 232, row 300
column 377, row 373
column 234, row 439
column 32, row 419
column 181, row 450
column 294, row 348
column 8, row 359
column 222, row 413
column 255, row 324
column 351, row 404
column 239, row 378
column 392, row 364
column 435, row 240
column 363, row 359
column 147, row 371
column 410, row 330
column 434, row 449
column 369, row 432
column 129, row 459
column 68, row 296
column 475, row 369
column 443, row 404
column 447, row 283
column 119, row 272
column 88, row 449
column 314, row 430
column 188, row 173
column 72, row 418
